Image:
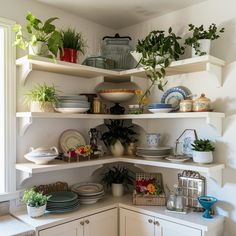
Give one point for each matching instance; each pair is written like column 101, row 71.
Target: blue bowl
column 159, row 105
column 207, row 202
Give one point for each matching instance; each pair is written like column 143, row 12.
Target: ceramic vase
column 39, row 49
column 204, row 46
column 202, row 157
column 117, row 149
column 117, row 190
column 39, row 107
column 36, row 211
column 69, row 55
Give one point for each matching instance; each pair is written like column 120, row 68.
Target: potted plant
column 41, row 38
column 158, row 50
column 201, row 38
column 202, row 151
column 73, row 42
column 118, row 136
column 36, row 202
column 117, row 178
column 42, row 98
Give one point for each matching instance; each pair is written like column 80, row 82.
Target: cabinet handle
column 81, row 222
column 87, row 221
column 156, row 223
column 150, row 221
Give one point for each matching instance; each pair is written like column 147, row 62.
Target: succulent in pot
column 36, row 202
column 202, row 151
column 42, row 98
column 118, row 136
column 201, row 38
column 73, row 42
column 117, row 178
column 157, row 51
column 41, row 38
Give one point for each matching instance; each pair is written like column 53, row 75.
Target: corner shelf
column 213, row 119
column 213, row 171
column 207, row 63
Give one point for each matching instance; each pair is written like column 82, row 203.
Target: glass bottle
column 179, row 199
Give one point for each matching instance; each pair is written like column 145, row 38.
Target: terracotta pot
column 69, row 55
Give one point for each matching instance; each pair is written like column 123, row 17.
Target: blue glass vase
column 207, row 202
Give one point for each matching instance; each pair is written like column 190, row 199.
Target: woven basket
column 150, row 200
column 50, row 188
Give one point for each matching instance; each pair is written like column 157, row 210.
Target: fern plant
column 202, row 145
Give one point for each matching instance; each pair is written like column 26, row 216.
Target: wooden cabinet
column 100, row 224
column 134, row 223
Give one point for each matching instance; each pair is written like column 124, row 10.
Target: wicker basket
column 50, row 188
column 150, row 200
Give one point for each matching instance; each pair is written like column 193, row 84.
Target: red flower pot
column 70, row 55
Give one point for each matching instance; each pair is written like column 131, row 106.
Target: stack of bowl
column 159, row 107
column 72, row 104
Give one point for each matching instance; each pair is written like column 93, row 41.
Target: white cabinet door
column 167, row 228
column 102, row 224
column 68, row 229
column 136, row 224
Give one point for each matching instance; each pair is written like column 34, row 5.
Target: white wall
column 221, row 12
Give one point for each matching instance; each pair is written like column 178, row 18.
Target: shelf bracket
column 215, row 71
column 24, row 123
column 25, row 69
column 23, row 176
column 95, row 122
column 216, row 123
column 217, row 176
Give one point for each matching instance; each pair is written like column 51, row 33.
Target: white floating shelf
column 213, row 171
column 207, row 63
column 213, row 119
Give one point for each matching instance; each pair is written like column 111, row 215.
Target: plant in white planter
column 36, row 202
column 118, row 136
column 42, row 98
column 201, row 38
column 41, row 38
column 202, row 151
column 117, row 178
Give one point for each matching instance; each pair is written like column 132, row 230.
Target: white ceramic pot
column 202, row 157
column 38, row 107
column 36, row 211
column 205, row 46
column 117, row 149
column 39, row 49
column 117, row 190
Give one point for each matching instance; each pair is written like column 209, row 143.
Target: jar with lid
column 179, row 199
column 96, row 105
column 202, row 103
column 186, row 105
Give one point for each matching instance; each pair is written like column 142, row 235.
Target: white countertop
column 192, row 219
column 10, row 226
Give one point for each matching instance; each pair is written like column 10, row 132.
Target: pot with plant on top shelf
column 202, row 151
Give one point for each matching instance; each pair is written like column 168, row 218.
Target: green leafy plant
column 158, row 50
column 34, row 199
column 74, row 40
column 117, row 131
column 42, row 93
column 118, row 175
column 212, row 33
column 202, row 145
column 37, row 31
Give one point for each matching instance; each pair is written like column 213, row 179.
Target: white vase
column 38, row 107
column 39, row 49
column 36, row 211
column 204, row 46
column 117, row 190
column 117, row 149
column 202, row 157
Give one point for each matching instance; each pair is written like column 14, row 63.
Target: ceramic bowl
column 40, row 160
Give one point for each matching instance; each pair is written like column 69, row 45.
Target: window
column 7, row 109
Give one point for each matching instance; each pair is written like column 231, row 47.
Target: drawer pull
column 87, row 221
column 156, row 223
column 150, row 221
column 81, row 222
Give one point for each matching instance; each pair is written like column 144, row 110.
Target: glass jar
column 179, row 200
column 171, row 202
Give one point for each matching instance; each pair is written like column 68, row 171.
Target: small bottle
column 96, row 105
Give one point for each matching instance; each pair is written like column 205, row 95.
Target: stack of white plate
column 88, row 193
column 153, row 153
column 72, row 104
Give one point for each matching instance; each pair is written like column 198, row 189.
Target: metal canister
column 186, row 105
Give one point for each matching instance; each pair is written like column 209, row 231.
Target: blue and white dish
column 159, row 105
column 160, row 110
column 174, row 95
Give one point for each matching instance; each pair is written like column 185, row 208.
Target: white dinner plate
column 160, row 110
column 71, row 110
column 87, row 189
column 177, row 159
column 69, row 139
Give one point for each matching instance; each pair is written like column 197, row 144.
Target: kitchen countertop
column 192, row 219
column 10, row 226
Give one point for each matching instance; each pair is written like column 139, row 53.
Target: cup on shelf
column 153, row 139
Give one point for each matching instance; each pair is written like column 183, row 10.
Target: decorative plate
column 87, row 189
column 174, row 96
column 69, row 139
column 71, row 110
column 178, row 159
column 155, row 148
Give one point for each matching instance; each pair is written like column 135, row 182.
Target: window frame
column 10, row 111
